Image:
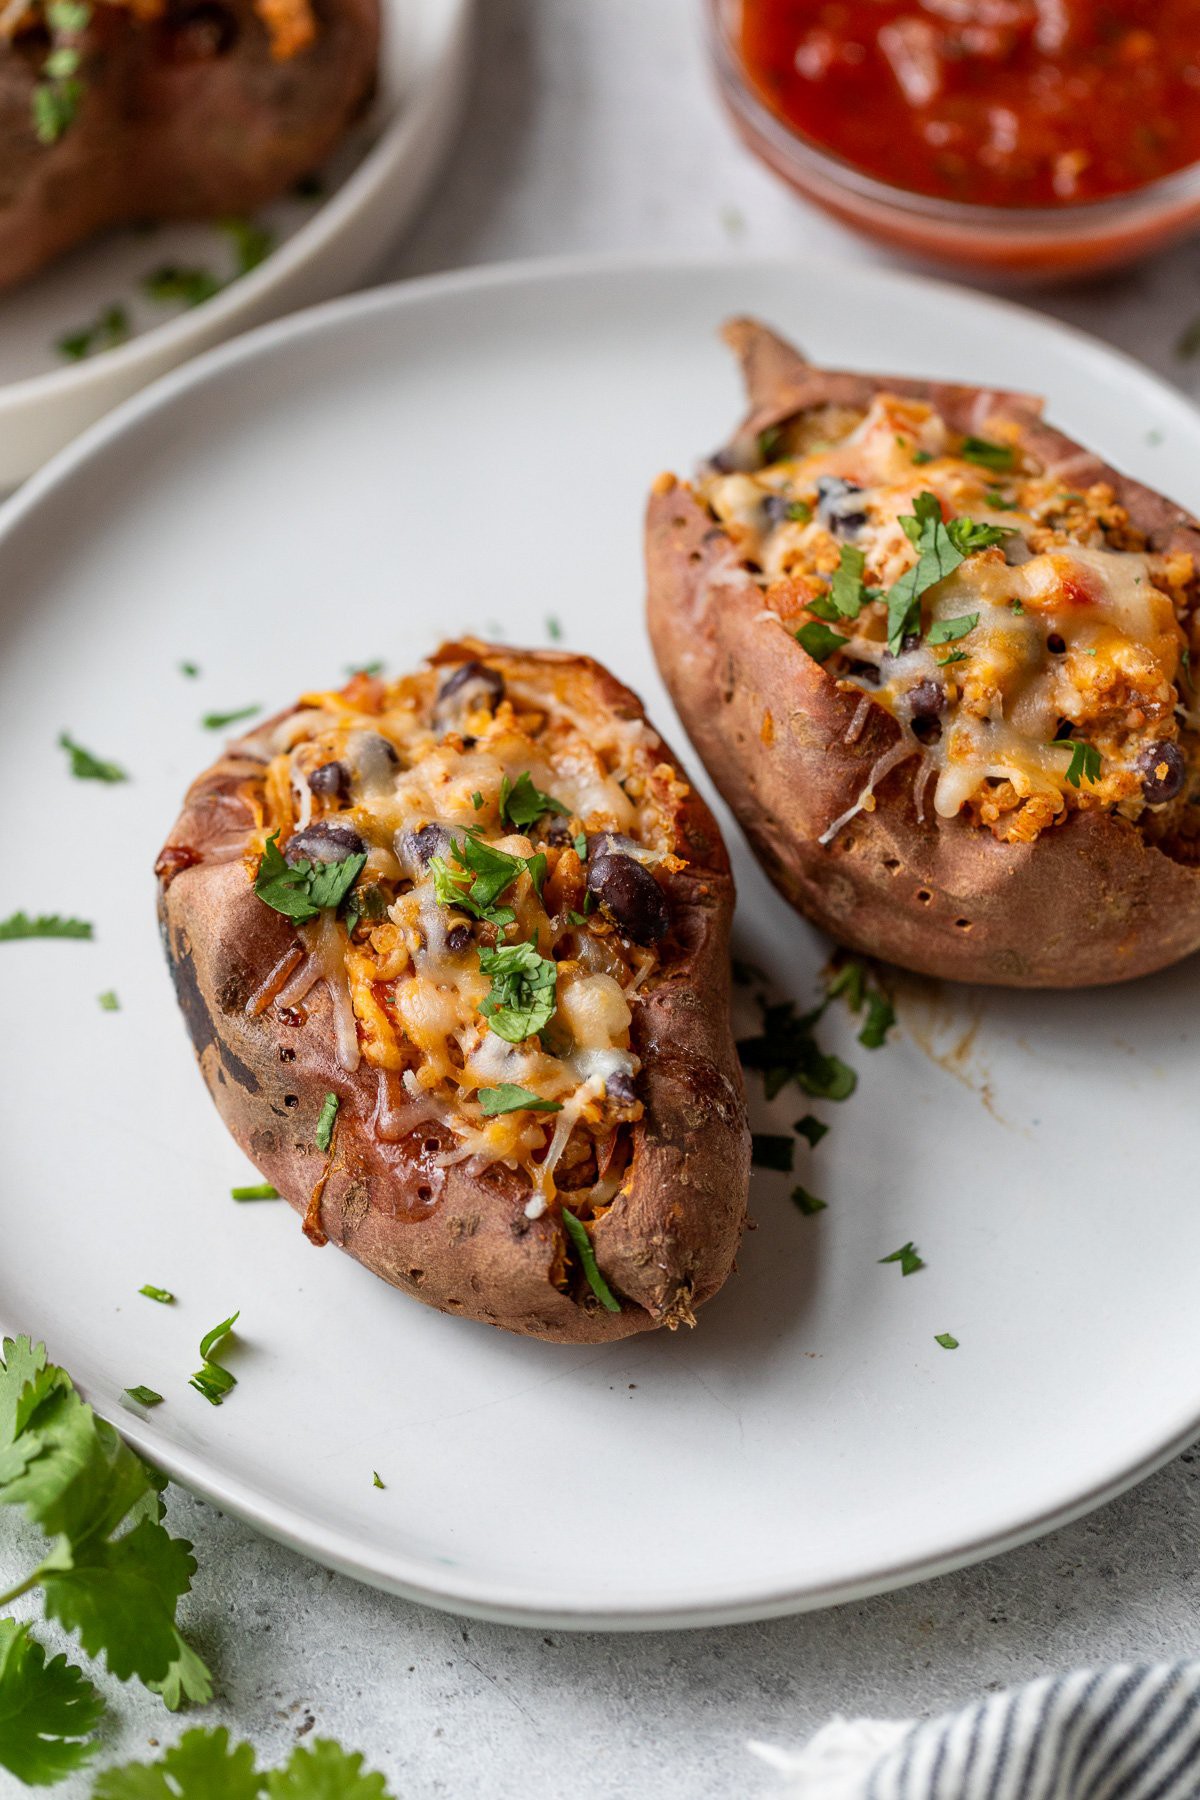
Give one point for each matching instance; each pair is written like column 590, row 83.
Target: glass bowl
column 1023, row 242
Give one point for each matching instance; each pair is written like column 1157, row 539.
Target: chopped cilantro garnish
column 522, row 804
column 769, row 443
column 799, row 511
column 261, row 1190
column 944, row 662
column 881, row 1016
column 580, row 846
column 807, row 1203
column 920, row 457
column 87, row 767
column 852, row 983
column 819, row 641
column 1085, row 762
column 811, row 1128
column 768, row 1151
column 323, row 1136
column 144, row 1396
column 190, row 669
column 941, row 547
column 55, row 100
column 367, row 668
column 987, row 454
column 173, row 285
column 554, row 628
column 846, row 590
column 578, row 1234
column 907, row 1257
column 213, row 1380
column 252, row 243
column 304, row 890
column 217, row 721
column 508, row 1097
column 375, row 1479
column 999, row 501
column 946, row 1340
column 787, row 1050
column 164, row 1296
column 477, row 800
column 947, row 631
column 109, row 329
column 1018, row 608
column 108, row 1001
column 523, row 992
column 482, row 875
column 45, row 925
column 576, row 918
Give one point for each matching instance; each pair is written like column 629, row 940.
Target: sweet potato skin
column 164, row 133
column 1089, row 902
column 458, row 1241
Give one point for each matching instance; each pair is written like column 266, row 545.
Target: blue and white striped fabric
column 1131, row 1732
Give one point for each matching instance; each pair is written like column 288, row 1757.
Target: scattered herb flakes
column 164, row 1296
column 999, row 501
column 907, row 1257
column 477, row 800
column 523, row 994
column 1154, row 436
column 554, row 628
column 1188, row 342
column 252, row 243
column 1086, row 760
column 819, row 641
column 303, row 890
column 768, row 1151
column 108, row 1001
column 375, row 1481
column 943, row 662
column 508, row 1097
column 920, row 457
column 212, row 1379
column 44, row 925
column 190, row 669
column 114, row 1574
column 946, row 1340
column 948, row 631
column 852, row 983
column 810, row 1127
column 329, row 1112
column 367, row 668
column 799, row 512
column 172, row 285
column 85, row 766
column 849, row 982
column 580, row 846
column 261, row 1190
column 881, row 1016
column 787, row 1050
column 770, row 442
column 107, row 330
column 522, row 804
column 807, row 1203
column 145, row 1396
column 1018, row 608
column 987, row 454
column 578, row 1234
column 217, row 721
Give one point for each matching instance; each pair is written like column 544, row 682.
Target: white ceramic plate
column 369, row 190
column 463, row 453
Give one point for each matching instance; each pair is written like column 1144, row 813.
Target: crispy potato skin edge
column 1090, row 902
column 458, row 1242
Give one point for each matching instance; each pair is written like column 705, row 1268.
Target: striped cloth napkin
column 1131, row 1732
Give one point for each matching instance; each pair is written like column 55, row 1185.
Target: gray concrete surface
column 592, row 126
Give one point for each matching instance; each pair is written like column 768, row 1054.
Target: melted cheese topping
column 422, row 766
column 1068, row 628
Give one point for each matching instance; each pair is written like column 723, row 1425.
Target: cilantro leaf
column 108, row 1001
column 217, row 721
column 45, row 925
column 946, row 1339
column 144, row 1396
column 799, row 511
column 819, row 641
column 810, row 1128
column 987, row 454
column 907, row 1257
column 768, row 1151
column 846, row 589
column 252, row 243
column 522, row 999
column 47, row 1710
column 1086, row 761
column 302, row 890
column 213, row 1380
column 172, row 285
column 203, row 1765
column 87, row 767
column 376, row 1479
column 787, row 1050
column 940, row 549
column 164, row 1296
column 323, row 1136
column 881, row 1016
column 522, row 804
column 509, row 1098
column 322, row 1770
column 482, row 874
column 947, row 631
column 578, row 1233
column 217, row 1335
column 119, row 1595
column 111, row 327
column 261, row 1190
column 807, row 1203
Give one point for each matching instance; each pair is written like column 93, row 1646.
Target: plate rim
column 503, row 1601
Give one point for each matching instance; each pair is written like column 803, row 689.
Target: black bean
column 925, row 729
column 1162, row 769
column 471, row 685
column 415, row 850
column 724, row 462
column 331, row 781
column 864, row 671
column 926, row 697
column 600, row 843
column 837, row 508
column 458, row 937
column 324, row 842
column 557, row 830
column 775, row 509
column 620, row 1087
column 1056, row 645
column 630, row 894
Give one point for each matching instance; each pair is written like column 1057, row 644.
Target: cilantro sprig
column 479, row 875
column 941, row 547
column 578, row 1233
column 1086, row 761
column 48, row 1710
column 206, row 1762
column 85, row 766
column 304, row 889
column 111, row 1572
column 523, row 994
column 907, row 1257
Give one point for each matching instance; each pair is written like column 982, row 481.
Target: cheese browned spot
column 522, row 762
column 1069, row 628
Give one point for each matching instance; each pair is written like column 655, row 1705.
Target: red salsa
column 1004, row 102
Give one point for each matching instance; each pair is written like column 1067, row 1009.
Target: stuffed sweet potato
column 453, row 952
column 123, row 111
column 938, row 658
